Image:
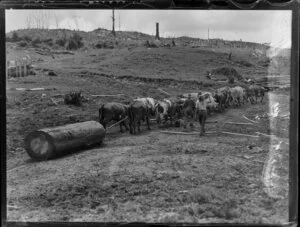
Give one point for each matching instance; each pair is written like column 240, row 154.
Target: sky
column 261, row 26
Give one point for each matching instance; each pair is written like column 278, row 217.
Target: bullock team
column 186, row 106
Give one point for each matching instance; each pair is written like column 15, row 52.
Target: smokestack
column 157, row 31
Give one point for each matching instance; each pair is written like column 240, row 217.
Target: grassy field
column 148, row 177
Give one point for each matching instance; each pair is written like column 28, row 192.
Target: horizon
column 273, row 27
column 184, row 36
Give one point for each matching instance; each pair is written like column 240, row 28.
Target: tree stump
column 48, row 143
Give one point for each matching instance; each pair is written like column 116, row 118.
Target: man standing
column 189, row 111
column 201, row 111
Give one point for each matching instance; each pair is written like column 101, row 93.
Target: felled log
column 263, row 134
column 210, row 122
column 239, row 134
column 186, row 133
column 107, row 95
column 48, row 143
column 161, row 90
column 238, row 123
column 250, row 120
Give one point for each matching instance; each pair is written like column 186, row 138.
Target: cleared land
column 150, row 177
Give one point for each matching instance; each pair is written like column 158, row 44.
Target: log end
column 39, row 145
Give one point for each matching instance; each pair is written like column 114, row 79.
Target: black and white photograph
column 152, row 116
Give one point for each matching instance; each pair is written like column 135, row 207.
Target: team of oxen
column 142, row 109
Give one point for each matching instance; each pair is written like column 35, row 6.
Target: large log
column 47, row 143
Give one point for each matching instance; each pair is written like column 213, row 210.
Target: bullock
column 226, row 92
column 236, row 96
column 221, row 100
column 138, row 111
column 257, row 92
column 113, row 111
column 150, row 102
column 247, row 96
column 189, row 108
column 167, row 109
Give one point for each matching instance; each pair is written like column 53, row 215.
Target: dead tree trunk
column 52, row 142
column 113, row 23
column 157, row 31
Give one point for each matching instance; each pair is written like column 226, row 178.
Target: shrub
column 99, row 45
column 75, row 42
column 36, row 41
column 231, row 79
column 227, row 71
column 22, row 44
column 15, row 37
column 27, row 38
column 61, row 41
column 73, row 98
column 48, row 42
column 105, row 45
column 8, row 39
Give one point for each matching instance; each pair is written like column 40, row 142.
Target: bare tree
column 56, row 20
column 113, row 22
column 29, row 21
column 47, row 19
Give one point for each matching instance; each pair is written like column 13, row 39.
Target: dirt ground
column 152, row 176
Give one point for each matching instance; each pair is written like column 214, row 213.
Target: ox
column 168, row 109
column 113, row 111
column 150, row 102
column 221, row 100
column 138, row 111
column 225, row 91
column 256, row 92
column 236, row 96
column 189, row 108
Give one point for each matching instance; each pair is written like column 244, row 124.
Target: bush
column 105, row 45
column 75, row 42
column 48, row 42
column 36, row 41
column 227, row 71
column 61, row 42
column 151, row 44
column 27, row 38
column 22, row 44
column 73, row 98
column 244, row 63
column 231, row 80
column 15, row 37
column 99, row 45
column 8, row 39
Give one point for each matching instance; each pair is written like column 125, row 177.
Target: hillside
column 202, row 56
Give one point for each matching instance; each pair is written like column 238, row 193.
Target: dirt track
column 150, row 177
